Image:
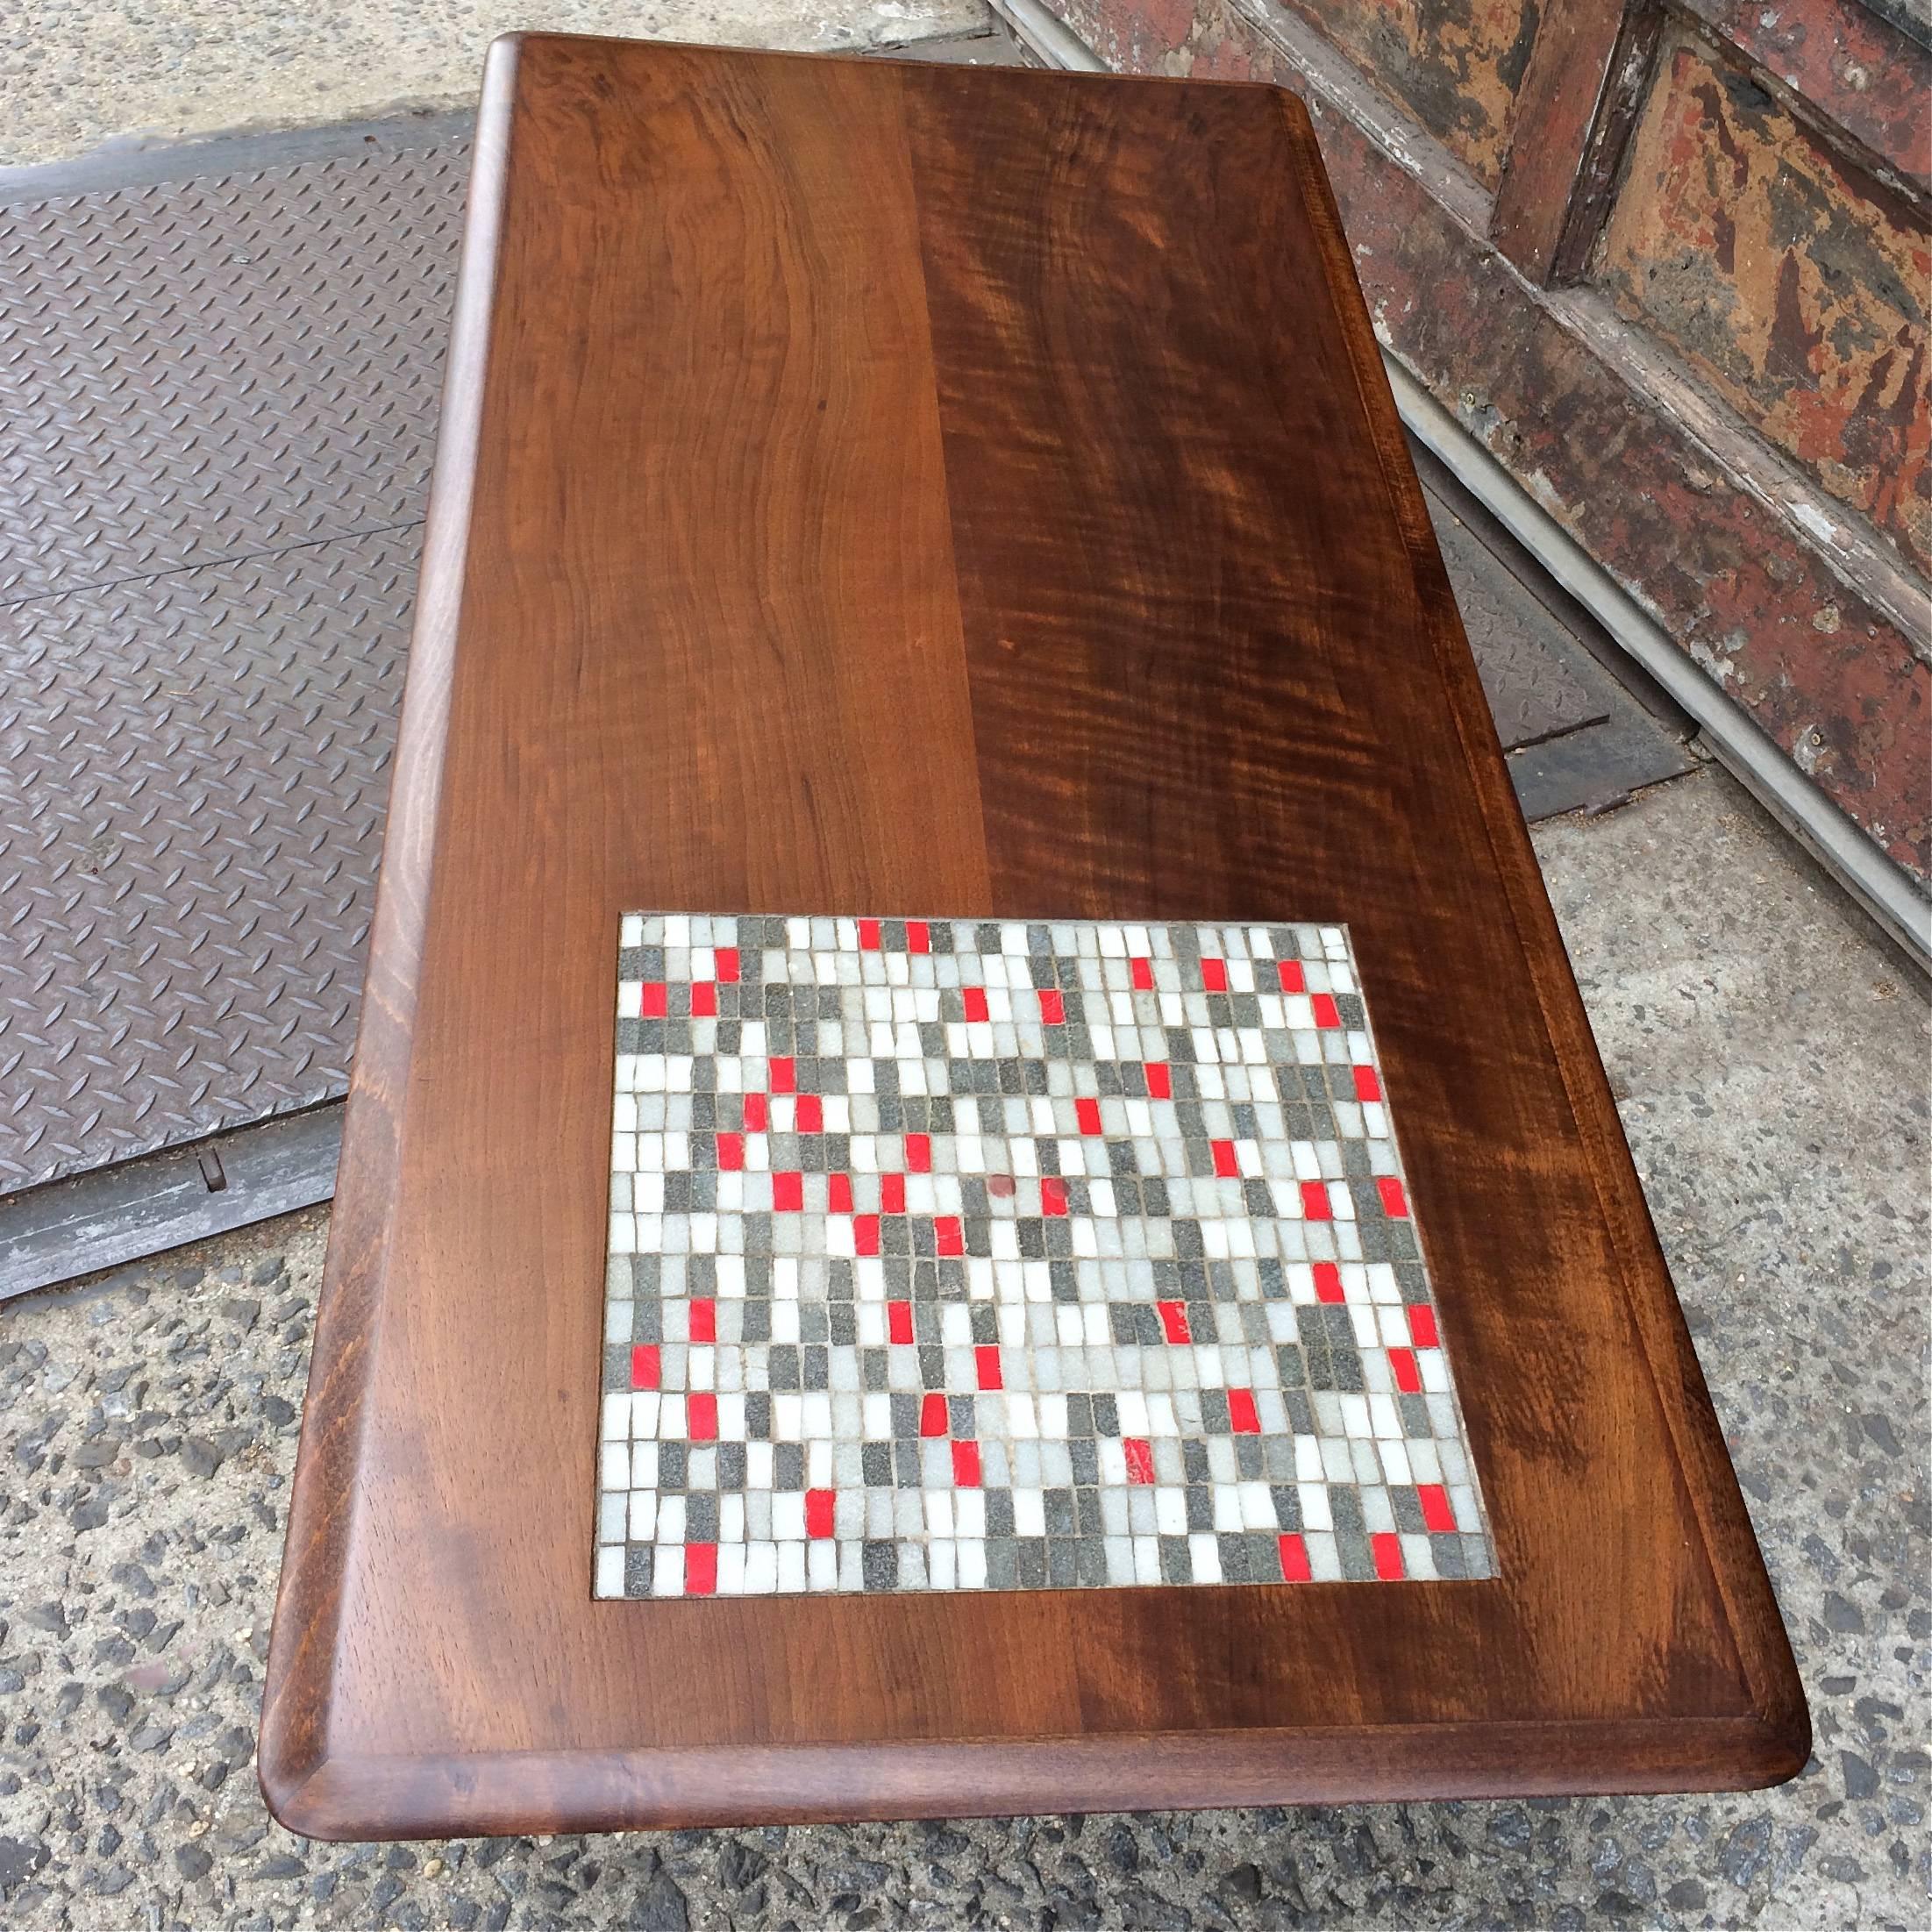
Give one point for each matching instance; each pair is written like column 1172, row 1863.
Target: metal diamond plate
column 215, row 367
column 192, row 781
column 1532, row 695
column 218, row 411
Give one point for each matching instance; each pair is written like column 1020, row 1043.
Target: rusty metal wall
column 1793, row 282
column 1455, row 64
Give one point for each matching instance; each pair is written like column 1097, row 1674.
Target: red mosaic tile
column 960, row 1255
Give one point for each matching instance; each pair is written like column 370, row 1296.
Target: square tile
column 955, row 1255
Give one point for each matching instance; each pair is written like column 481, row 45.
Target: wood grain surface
column 871, row 486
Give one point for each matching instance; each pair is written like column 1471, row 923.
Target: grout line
column 1051, row 39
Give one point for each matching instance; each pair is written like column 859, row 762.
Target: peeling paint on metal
column 1857, row 69
column 1792, row 283
column 1718, row 668
column 1455, row 64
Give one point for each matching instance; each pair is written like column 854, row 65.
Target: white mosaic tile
column 976, row 1255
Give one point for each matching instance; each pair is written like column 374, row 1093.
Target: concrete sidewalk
column 76, row 73
column 1770, row 1058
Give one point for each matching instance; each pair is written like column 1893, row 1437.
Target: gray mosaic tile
column 982, row 1255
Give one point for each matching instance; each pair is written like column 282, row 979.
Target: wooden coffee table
column 976, row 1180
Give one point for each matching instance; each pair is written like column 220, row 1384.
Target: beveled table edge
column 424, row 1797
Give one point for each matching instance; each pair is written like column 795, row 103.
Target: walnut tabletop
column 976, row 1180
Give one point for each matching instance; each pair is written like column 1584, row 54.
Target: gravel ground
column 1769, row 1058
column 76, row 73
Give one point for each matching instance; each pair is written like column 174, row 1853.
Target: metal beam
column 116, row 1215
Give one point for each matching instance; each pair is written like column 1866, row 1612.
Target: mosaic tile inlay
column 956, row 1255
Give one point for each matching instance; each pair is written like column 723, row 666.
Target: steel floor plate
column 192, row 781
column 218, row 408
column 1532, row 693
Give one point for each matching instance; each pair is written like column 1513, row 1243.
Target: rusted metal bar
column 1578, row 101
